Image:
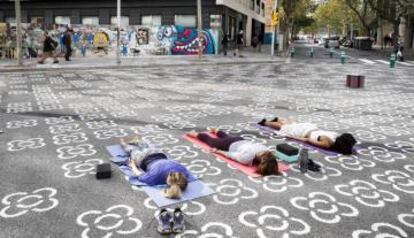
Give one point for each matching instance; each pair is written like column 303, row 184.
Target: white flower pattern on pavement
column 273, row 221
column 350, row 162
column 20, row 203
column 407, row 219
column 211, row 229
column 381, row 154
column 79, row 169
column 399, row 180
column 323, row 207
column 113, row 222
column 379, row 230
column 231, row 191
column 278, row 184
column 366, row 193
column 70, row 152
column 32, row 143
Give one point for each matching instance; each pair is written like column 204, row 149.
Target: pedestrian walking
column 239, row 43
column 255, row 41
column 225, row 43
column 49, row 46
column 67, row 41
column 260, row 41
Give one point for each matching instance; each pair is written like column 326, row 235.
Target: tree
column 392, row 11
column 364, row 13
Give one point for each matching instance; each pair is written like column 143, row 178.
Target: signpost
column 275, row 21
column 118, row 36
column 200, row 35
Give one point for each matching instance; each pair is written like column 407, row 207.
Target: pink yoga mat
column 248, row 170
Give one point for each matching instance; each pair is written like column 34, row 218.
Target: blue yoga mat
column 195, row 189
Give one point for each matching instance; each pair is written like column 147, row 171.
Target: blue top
column 157, row 172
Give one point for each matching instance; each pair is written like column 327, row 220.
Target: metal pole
column 272, row 49
column 19, row 32
column 118, row 37
column 199, row 26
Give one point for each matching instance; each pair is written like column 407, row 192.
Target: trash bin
column 363, row 43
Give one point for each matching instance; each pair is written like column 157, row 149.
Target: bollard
column 292, row 52
column 342, row 57
column 311, row 52
column 331, row 52
column 392, row 61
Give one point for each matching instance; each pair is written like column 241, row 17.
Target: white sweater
column 244, row 151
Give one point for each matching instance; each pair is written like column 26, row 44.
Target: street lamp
column 118, row 36
column 200, row 35
column 18, row 32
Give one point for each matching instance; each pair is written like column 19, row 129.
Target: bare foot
column 193, row 134
column 213, row 130
column 130, row 163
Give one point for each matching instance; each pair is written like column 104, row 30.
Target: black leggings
column 222, row 142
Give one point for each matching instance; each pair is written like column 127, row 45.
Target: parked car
column 332, row 42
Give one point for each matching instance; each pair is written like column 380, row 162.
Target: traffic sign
column 275, row 17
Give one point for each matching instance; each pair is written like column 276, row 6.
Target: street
column 365, row 57
column 57, row 124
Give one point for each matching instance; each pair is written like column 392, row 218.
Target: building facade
column 233, row 15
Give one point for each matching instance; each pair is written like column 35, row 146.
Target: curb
column 149, row 65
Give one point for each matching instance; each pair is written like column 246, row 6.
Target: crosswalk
column 372, row 62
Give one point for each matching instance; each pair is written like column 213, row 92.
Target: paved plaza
column 57, row 124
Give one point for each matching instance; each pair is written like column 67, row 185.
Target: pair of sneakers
column 170, row 222
column 305, row 163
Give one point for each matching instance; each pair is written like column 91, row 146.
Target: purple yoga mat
column 270, row 130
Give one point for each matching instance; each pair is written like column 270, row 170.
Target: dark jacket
column 225, row 40
column 67, row 39
column 49, row 44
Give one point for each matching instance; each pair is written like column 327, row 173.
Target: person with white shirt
column 243, row 151
column 310, row 133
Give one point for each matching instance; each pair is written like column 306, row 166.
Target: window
column 262, row 12
column 252, row 4
column 63, row 20
column 185, row 20
column 258, row 6
column 151, row 20
column 124, row 21
column 90, row 21
column 11, row 20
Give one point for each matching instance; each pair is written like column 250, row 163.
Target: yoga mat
column 248, row 170
column 195, row 189
column 270, row 130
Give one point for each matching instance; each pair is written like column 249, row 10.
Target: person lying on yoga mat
column 156, row 167
column 310, row 133
column 243, row 151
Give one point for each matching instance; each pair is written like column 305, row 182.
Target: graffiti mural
column 184, row 41
column 89, row 40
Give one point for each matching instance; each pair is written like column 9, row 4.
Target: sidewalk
column 249, row 55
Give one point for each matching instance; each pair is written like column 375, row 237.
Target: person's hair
column 344, row 144
column 132, row 139
column 267, row 165
column 177, row 183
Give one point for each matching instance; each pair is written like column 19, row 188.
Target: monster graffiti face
column 184, row 41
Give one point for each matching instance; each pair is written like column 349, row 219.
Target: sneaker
column 40, row 62
column 56, row 62
column 178, row 221
column 164, row 222
column 303, row 160
column 312, row 166
column 262, row 122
